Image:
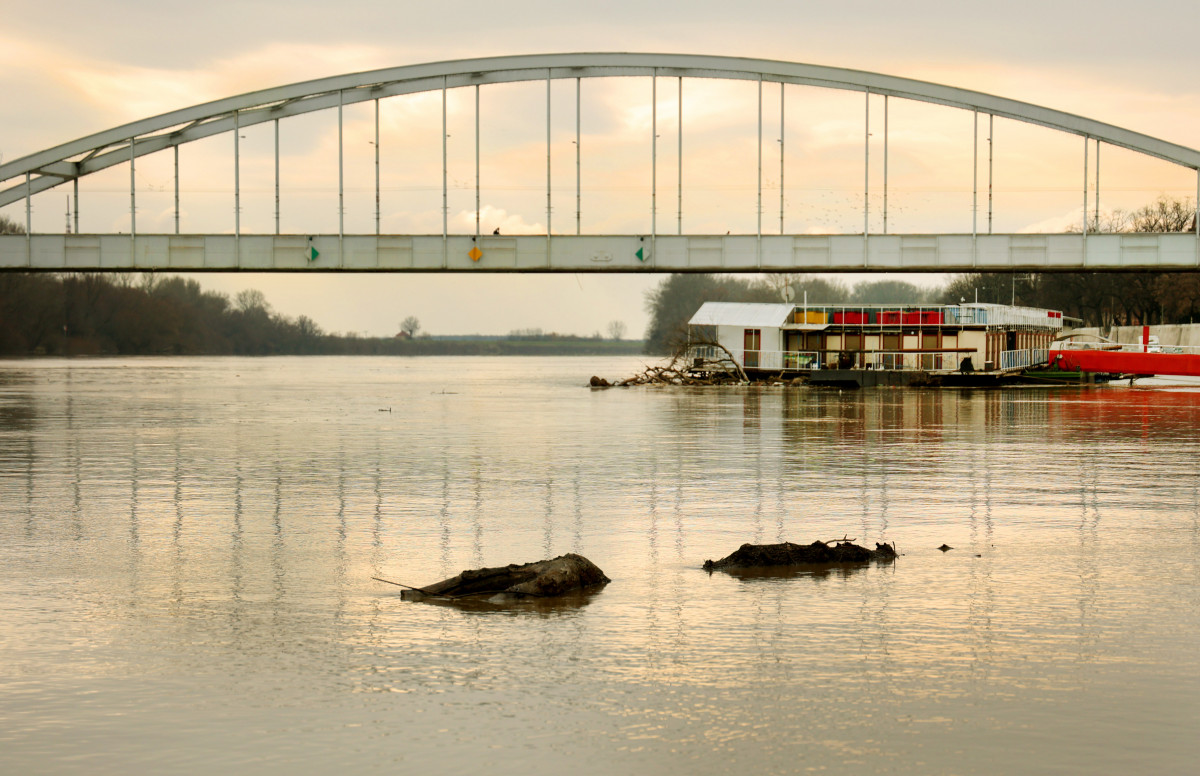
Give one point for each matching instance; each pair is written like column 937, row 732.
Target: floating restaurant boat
column 865, row 345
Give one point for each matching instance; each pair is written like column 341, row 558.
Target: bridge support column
column 760, row 206
column 866, row 170
column 974, row 174
column 445, row 173
column 276, row 176
column 476, row 164
column 341, row 173
column 782, row 135
column 132, row 192
column 28, row 219
column 885, row 163
column 377, row 158
column 653, row 159
column 1086, row 139
column 237, row 184
column 991, row 120
column 578, row 153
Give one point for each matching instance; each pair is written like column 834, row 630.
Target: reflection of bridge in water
column 236, row 524
column 651, row 249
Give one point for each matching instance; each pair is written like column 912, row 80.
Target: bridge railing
column 1128, row 347
column 602, row 253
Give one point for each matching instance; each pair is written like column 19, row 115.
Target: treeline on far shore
column 93, row 313
column 546, row 345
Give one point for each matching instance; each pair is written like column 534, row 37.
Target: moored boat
column 976, row 343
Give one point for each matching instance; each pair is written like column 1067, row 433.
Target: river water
column 187, row 549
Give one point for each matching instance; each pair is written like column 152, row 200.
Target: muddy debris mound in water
column 542, row 579
column 750, row 556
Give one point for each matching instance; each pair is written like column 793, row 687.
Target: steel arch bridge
column 23, row 178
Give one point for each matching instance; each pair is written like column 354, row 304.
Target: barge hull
column 1126, row 362
column 872, row 378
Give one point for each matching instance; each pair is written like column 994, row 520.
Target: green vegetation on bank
column 127, row 314
column 130, row 314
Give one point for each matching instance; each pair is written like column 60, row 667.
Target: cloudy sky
column 71, row 68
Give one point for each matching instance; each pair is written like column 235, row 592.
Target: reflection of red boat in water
column 1150, row 414
column 1143, row 359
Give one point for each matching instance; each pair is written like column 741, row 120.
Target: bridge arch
column 70, row 161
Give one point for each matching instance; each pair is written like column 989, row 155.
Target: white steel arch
column 46, row 169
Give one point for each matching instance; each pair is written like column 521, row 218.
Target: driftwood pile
column 842, row 551
column 570, row 579
column 541, row 579
column 682, row 369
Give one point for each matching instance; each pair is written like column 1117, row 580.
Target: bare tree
column 251, row 300
column 9, row 226
column 778, row 281
column 616, row 329
column 1166, row 214
column 410, row 326
column 148, row 282
column 308, row 327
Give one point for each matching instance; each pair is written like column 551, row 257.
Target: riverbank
column 548, row 345
column 334, row 345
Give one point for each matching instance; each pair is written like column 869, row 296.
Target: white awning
column 741, row 314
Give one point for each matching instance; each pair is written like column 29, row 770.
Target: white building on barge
column 865, row 343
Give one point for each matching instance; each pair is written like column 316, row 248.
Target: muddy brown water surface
column 187, row 546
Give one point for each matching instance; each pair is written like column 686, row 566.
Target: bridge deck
column 601, row 253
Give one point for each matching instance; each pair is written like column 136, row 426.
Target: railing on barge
column 911, row 360
column 707, row 357
column 1011, row 360
column 885, row 316
column 1126, row 347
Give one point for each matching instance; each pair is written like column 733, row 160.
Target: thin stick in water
column 400, row 584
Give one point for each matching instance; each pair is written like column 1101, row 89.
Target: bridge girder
column 602, row 253
column 78, row 158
